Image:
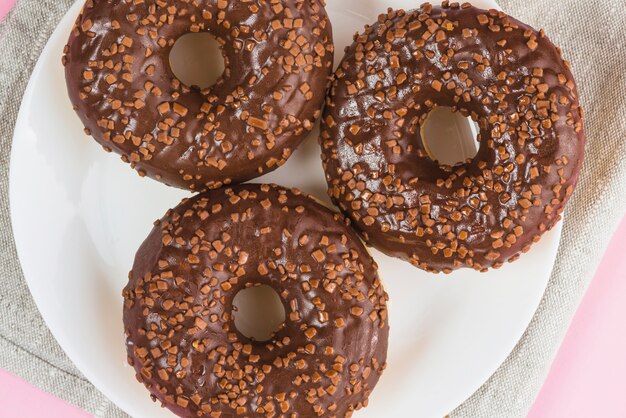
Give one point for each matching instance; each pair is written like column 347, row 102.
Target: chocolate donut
column 278, row 57
column 507, row 77
column 181, row 337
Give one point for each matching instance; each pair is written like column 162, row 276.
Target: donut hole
column 448, row 137
column 196, row 59
column 258, row 312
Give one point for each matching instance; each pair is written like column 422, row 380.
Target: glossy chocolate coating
column 181, row 338
column 278, row 57
column 510, row 79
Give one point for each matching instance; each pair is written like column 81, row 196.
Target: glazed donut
column 278, row 56
column 181, row 337
column 507, row 77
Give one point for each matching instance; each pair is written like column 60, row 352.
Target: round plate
column 79, row 215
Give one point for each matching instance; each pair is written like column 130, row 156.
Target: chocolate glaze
column 181, row 338
column 278, row 56
column 510, row 79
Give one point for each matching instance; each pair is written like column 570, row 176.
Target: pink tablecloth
column 586, row 379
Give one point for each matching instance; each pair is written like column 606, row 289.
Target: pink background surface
column 588, row 377
column 5, row 5
column 18, row 399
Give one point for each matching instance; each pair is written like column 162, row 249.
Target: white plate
column 79, row 215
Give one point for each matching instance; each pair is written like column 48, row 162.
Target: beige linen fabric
column 590, row 33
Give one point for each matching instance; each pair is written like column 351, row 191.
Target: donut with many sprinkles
column 507, row 77
column 278, row 56
column 181, row 337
